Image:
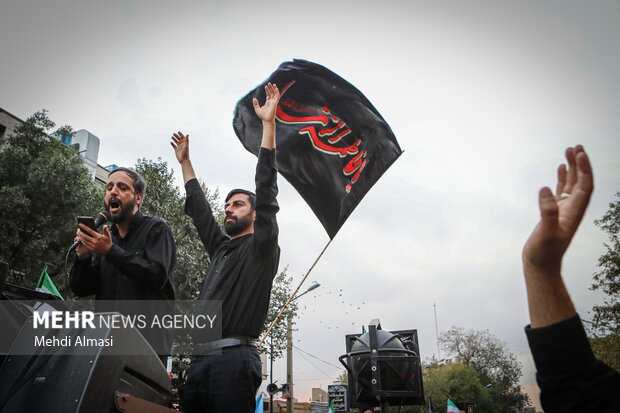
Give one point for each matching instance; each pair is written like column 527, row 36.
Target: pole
column 292, row 297
column 271, row 376
column 289, row 363
column 437, row 332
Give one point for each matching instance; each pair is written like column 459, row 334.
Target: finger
column 106, row 232
column 571, row 177
column 89, row 243
column 173, row 146
column 276, row 92
column 267, row 91
column 84, row 237
column 178, row 136
column 255, row 103
column 87, row 230
column 559, row 189
column 585, row 180
column 548, row 210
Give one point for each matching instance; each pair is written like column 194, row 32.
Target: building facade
column 84, row 142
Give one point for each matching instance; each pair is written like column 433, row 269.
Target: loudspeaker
column 62, row 382
column 383, row 367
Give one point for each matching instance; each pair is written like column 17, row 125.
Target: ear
column 139, row 199
column 254, row 215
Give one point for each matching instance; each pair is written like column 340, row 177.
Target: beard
column 237, row 225
column 125, row 213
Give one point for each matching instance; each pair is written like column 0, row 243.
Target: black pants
column 225, row 383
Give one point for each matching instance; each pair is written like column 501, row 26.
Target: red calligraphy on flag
column 325, row 131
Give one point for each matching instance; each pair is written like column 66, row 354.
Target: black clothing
column 240, row 275
column 137, row 267
column 570, row 377
column 242, row 270
column 224, row 383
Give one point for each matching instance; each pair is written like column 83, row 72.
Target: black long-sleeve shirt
column 137, row 267
column 570, row 377
column 242, row 270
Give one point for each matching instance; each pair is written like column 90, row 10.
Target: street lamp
column 289, row 357
column 312, row 287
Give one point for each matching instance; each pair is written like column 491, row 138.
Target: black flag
column 333, row 145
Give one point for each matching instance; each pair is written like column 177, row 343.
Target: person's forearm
column 548, row 299
column 266, row 225
column 269, row 135
column 188, row 171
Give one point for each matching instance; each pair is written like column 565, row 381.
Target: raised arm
column 267, row 114
column 548, row 299
column 196, row 204
column 180, row 143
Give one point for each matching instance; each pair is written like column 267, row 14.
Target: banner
column 332, row 144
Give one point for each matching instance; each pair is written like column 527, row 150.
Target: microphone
column 100, row 219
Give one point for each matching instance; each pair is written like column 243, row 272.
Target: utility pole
column 437, row 333
column 289, row 363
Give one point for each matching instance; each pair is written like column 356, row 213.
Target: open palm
column 267, row 112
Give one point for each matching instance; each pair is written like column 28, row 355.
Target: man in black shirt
column 133, row 260
column 570, row 377
column 241, row 273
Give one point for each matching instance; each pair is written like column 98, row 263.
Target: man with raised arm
column 243, row 264
column 570, row 376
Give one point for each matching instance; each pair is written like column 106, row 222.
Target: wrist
column 269, row 123
column 538, row 269
column 106, row 249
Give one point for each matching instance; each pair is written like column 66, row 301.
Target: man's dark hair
column 139, row 184
column 251, row 196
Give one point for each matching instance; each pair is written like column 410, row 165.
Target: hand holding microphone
column 88, row 237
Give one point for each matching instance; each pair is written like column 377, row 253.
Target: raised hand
column 560, row 214
column 267, row 112
column 180, row 143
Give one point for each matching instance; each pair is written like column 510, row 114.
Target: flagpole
column 292, row 297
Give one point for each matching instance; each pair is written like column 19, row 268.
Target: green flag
column 451, row 408
column 45, row 284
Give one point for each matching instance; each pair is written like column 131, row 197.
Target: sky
column 483, row 96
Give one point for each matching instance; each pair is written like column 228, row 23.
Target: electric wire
column 315, row 366
column 326, row 362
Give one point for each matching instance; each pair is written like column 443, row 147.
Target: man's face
column 239, row 214
column 120, row 199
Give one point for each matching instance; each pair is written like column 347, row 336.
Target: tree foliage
column 495, row 367
column 606, row 342
column 457, row 382
column 44, row 187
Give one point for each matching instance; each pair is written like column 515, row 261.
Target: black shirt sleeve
column 85, row 276
column 570, row 377
column 153, row 269
column 197, row 207
column 266, row 225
